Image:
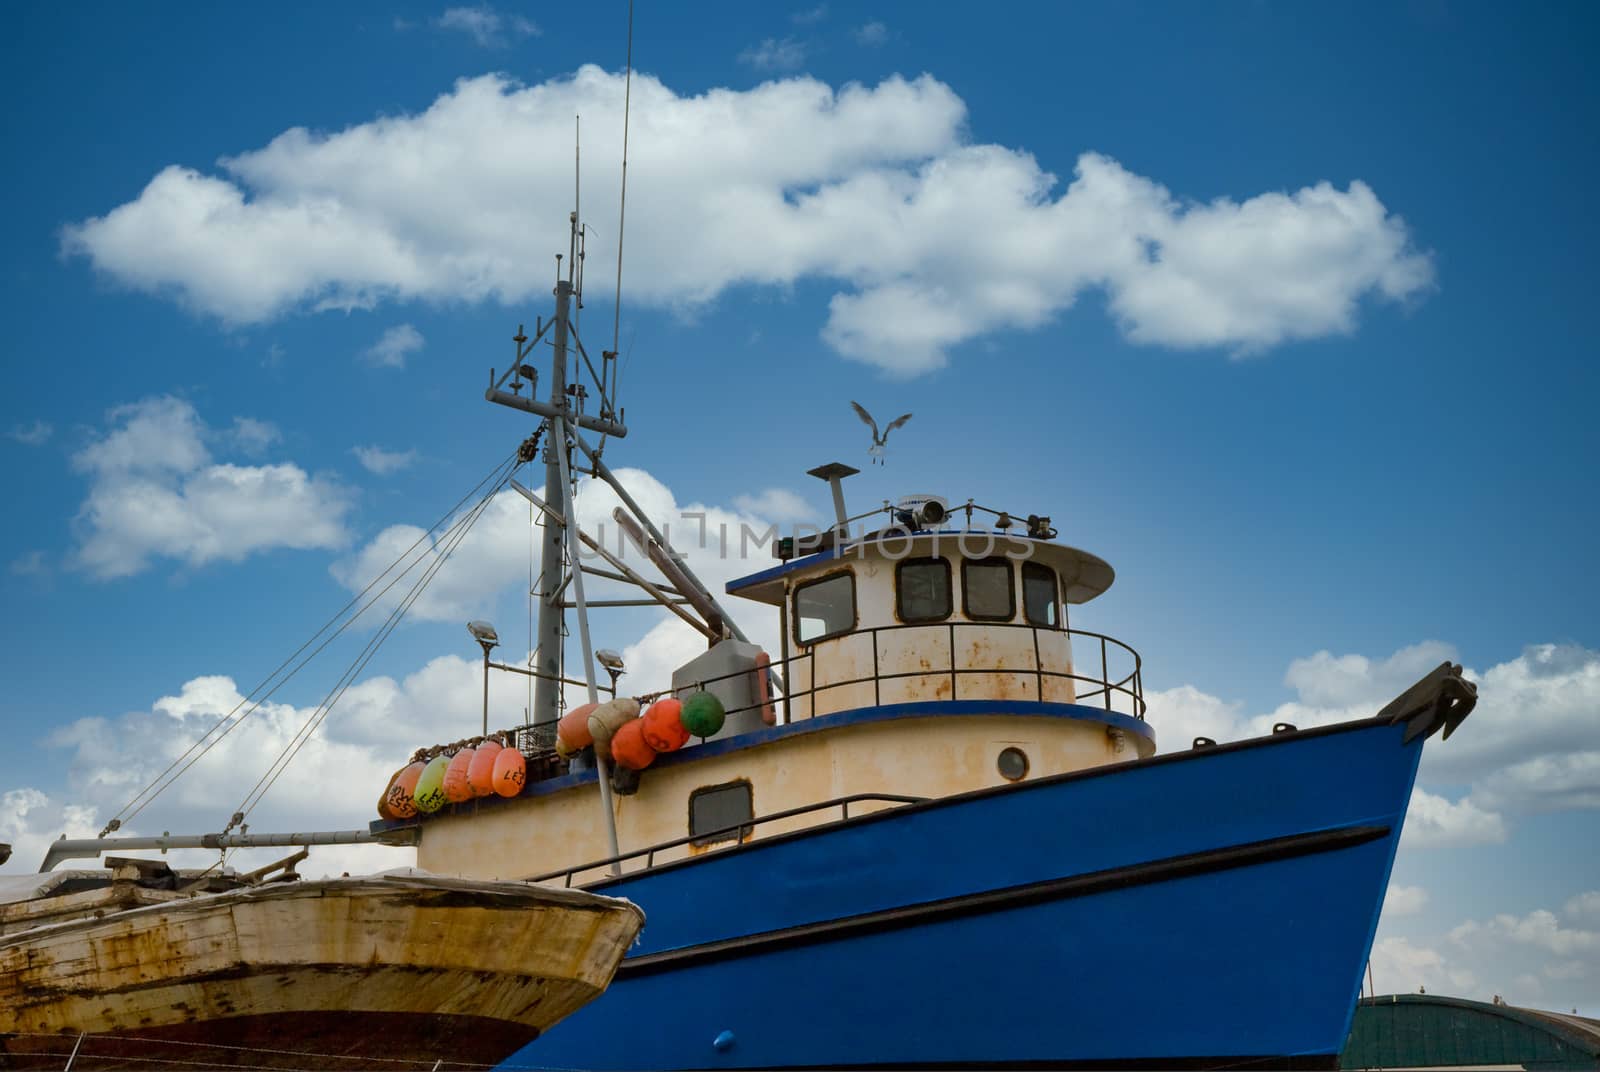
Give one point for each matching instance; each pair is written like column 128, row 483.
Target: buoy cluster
column 620, row 733
column 453, row 774
column 485, row 766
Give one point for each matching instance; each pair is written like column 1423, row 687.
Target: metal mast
column 547, row 652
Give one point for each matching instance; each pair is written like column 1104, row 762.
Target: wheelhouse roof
column 1083, row 575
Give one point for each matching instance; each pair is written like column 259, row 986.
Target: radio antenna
column 622, row 210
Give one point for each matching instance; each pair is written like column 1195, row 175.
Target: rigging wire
column 161, row 782
column 450, row 541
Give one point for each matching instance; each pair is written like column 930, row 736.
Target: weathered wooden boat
column 139, row 966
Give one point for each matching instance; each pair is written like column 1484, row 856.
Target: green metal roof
column 1431, row 1031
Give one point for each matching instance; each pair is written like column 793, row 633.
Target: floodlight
column 483, row 633
column 608, row 659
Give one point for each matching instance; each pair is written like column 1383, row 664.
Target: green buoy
column 702, row 714
column 429, row 795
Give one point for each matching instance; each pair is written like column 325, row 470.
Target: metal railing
column 738, row 832
column 1107, row 690
column 1122, row 693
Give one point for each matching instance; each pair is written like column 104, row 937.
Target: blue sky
column 1339, row 404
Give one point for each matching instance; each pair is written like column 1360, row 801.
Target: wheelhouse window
column 1039, row 595
column 922, row 590
column 825, row 608
column 716, row 811
column 986, row 590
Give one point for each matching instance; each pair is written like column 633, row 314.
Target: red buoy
column 628, row 746
column 510, row 771
column 456, row 789
column 663, row 726
column 480, row 773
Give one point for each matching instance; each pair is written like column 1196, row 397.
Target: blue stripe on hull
column 1263, row 959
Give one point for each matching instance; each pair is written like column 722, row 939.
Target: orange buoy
column 663, row 726
column 510, row 771
column 430, row 786
column 573, row 729
column 628, row 746
column 456, row 788
column 401, row 787
column 480, row 773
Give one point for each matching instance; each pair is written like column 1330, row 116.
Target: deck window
column 825, row 608
column 922, row 590
column 1039, row 595
column 986, row 590
column 719, row 807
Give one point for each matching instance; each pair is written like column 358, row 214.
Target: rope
column 182, row 764
column 451, row 540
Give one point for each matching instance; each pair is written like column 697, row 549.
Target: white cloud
column 1584, row 904
column 1539, row 929
column 1522, row 958
column 932, row 240
column 486, row 26
column 810, row 16
column 31, row 819
column 1180, row 715
column 393, row 346
column 775, row 504
column 775, row 54
column 155, row 492
column 1399, row 967
column 1404, row 900
column 1532, row 744
column 871, row 33
column 718, row 543
column 34, row 434
column 1328, row 680
column 1435, row 822
column 156, row 435
column 1544, row 783
column 253, row 436
column 332, row 784
column 383, row 462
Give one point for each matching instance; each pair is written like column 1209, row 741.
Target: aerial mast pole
column 552, row 562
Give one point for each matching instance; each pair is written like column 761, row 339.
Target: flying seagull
column 878, row 441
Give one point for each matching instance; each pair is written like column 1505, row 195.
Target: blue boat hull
column 1212, row 907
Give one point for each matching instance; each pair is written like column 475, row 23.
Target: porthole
column 1012, row 764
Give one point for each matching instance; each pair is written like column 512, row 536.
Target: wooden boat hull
column 388, row 967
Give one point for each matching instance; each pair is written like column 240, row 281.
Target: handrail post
column 1105, row 671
